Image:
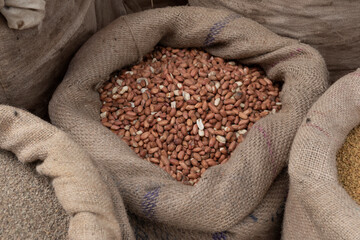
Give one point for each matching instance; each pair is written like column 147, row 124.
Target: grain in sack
column 347, row 163
column 186, row 110
column 29, row 208
column 81, row 195
column 317, row 198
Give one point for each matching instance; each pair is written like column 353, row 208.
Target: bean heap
column 348, row 164
column 186, row 110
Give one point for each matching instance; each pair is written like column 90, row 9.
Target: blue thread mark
column 217, row 27
column 149, row 202
column 219, row 236
column 253, row 218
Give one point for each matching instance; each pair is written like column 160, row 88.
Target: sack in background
column 241, row 199
column 108, row 10
column 33, row 61
column 316, row 198
column 141, row 5
column 77, row 182
column 330, row 26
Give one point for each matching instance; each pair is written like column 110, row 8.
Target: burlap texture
column 78, row 183
column 108, row 10
column 330, row 26
column 318, row 207
column 238, row 200
column 33, row 61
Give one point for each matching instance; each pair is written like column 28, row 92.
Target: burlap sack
column 96, row 210
column 33, row 61
column 108, row 10
column 239, row 200
column 330, row 26
column 318, row 207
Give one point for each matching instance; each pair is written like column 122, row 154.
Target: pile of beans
column 348, row 164
column 186, row 110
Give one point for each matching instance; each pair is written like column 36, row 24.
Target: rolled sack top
column 22, row 15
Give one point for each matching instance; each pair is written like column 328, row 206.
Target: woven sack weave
column 34, row 60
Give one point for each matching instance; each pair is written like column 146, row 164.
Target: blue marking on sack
column 149, row 202
column 253, row 218
column 219, row 236
column 217, row 27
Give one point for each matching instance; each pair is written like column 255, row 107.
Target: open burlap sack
column 318, row 207
column 239, row 200
column 330, row 26
column 33, row 61
column 96, row 210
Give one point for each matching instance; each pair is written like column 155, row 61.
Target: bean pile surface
column 348, row 164
column 186, row 110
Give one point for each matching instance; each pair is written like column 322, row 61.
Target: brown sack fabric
column 33, row 61
column 330, row 26
column 96, row 210
column 318, row 207
column 241, row 199
column 108, row 10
